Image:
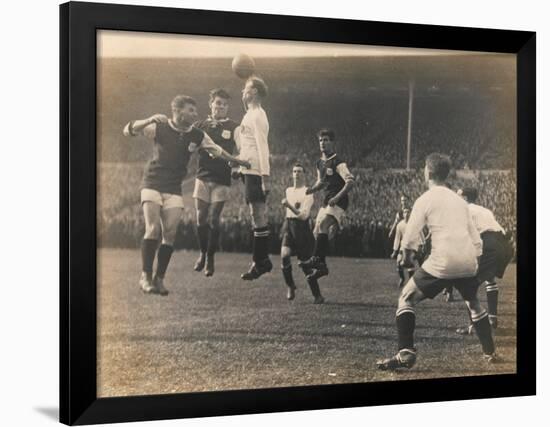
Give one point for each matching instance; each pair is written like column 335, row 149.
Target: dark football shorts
column 253, row 191
column 497, row 253
column 431, row 286
column 297, row 235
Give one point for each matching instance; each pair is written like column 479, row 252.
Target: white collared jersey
column 456, row 243
column 399, row 233
column 400, row 230
column 483, row 219
column 251, row 138
column 297, row 198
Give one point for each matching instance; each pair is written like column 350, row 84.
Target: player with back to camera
column 213, row 179
column 497, row 253
column 334, row 177
column 297, row 236
column 252, row 142
column 456, row 244
column 174, row 141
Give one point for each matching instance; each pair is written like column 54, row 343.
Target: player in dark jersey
column 213, row 179
column 175, row 140
column 335, row 179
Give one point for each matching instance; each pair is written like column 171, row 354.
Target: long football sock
column 213, row 239
column 202, row 236
column 260, row 244
column 314, row 287
column 148, row 250
column 401, row 273
column 483, row 331
column 405, row 320
column 321, row 246
column 286, row 267
column 163, row 258
column 492, row 299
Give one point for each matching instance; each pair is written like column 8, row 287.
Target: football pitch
column 222, row 333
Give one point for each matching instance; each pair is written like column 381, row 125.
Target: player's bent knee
column 152, row 231
column 285, row 253
column 410, row 295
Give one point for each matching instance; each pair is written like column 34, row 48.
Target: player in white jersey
column 251, row 138
column 296, row 235
column 397, row 254
column 456, row 244
column 497, row 252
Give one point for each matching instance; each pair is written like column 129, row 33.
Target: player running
column 213, row 179
column 396, row 254
column 174, row 141
column 297, row 237
column 456, row 244
column 497, row 253
column 251, row 137
column 335, row 178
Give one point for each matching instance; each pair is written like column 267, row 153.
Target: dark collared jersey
column 222, row 133
column 333, row 173
column 171, row 153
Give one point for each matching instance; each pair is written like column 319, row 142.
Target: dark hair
column 299, row 165
column 259, row 85
column 181, row 101
column 218, row 92
column 470, row 193
column 326, row 132
column 439, row 166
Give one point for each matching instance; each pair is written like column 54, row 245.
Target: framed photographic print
column 267, row 213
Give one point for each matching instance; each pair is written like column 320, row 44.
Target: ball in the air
column 243, row 66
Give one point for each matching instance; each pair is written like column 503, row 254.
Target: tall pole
column 409, row 125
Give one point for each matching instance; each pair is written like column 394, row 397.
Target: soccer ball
column 243, row 66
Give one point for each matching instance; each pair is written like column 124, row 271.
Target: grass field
column 221, row 333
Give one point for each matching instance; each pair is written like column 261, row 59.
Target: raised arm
column 216, row 151
column 146, row 127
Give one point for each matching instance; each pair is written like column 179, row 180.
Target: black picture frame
column 78, row 25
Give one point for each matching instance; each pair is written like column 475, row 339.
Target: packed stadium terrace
column 374, row 203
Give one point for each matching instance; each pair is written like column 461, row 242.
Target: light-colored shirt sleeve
column 344, row 172
column 210, row 146
column 148, row 131
column 305, row 209
column 476, row 238
column 261, row 130
column 416, row 223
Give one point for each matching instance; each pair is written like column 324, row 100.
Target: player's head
column 327, row 139
column 437, row 167
column 406, row 214
column 468, row 193
column 219, row 103
column 184, row 109
column 298, row 174
column 255, row 90
column 404, row 201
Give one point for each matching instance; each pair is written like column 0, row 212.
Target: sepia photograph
column 278, row 213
